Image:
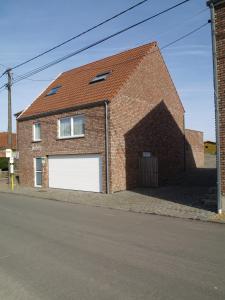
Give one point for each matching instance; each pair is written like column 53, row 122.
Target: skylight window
column 54, row 90
column 100, row 77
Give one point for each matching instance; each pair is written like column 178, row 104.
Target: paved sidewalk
column 174, row 201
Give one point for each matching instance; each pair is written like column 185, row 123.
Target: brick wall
column 146, row 115
column 220, row 47
column 2, row 153
column 92, row 143
column 194, row 149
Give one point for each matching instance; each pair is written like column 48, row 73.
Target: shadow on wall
column 159, row 134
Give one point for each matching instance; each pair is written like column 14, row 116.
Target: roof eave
column 60, row 111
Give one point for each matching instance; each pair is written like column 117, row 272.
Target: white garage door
column 75, row 172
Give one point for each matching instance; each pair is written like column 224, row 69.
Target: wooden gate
column 148, row 171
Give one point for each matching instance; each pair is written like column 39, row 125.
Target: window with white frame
column 37, row 132
column 71, row 127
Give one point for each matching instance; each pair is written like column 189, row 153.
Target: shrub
column 4, row 163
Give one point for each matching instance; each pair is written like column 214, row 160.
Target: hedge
column 4, row 163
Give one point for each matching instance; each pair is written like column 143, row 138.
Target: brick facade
column 146, row 115
column 194, row 155
column 92, row 143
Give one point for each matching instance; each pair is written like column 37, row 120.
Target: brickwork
column 92, row 143
column 194, row 149
column 2, row 153
column 146, row 115
column 220, row 48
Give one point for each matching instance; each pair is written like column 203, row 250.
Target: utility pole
column 210, row 4
column 9, row 85
column 10, row 142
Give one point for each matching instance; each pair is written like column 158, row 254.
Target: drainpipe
column 107, row 147
column 185, row 162
column 216, row 100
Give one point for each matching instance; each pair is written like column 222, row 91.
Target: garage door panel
column 75, row 172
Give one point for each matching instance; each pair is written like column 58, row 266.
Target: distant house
column 4, row 142
column 91, row 127
column 210, row 147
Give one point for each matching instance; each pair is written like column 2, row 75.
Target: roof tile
column 75, row 88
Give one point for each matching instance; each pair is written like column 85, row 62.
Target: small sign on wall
column 36, row 147
column 146, row 154
column 8, row 153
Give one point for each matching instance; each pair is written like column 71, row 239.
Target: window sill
column 36, row 141
column 70, row 137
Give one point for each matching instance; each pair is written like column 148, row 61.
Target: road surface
column 56, row 250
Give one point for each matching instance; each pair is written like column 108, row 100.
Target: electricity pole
column 9, row 84
column 10, row 141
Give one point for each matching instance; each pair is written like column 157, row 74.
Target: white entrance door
column 38, row 172
column 75, row 172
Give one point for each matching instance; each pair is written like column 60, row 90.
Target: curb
column 116, row 208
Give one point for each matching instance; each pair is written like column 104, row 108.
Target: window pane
column 39, row 178
column 37, row 132
column 38, row 164
column 78, row 125
column 65, row 127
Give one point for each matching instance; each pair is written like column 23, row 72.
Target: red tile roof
column 4, row 140
column 75, row 88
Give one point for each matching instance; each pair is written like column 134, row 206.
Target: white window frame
column 35, row 171
column 34, row 135
column 72, row 136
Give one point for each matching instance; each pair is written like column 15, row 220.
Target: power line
column 185, row 35
column 171, row 43
column 80, row 34
column 37, row 70
column 162, row 48
column 4, row 71
column 172, row 29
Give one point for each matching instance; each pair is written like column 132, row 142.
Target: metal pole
column 107, row 148
column 10, row 143
column 9, row 108
column 216, row 100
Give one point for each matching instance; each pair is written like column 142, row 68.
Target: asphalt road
column 56, row 250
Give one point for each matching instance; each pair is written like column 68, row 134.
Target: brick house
column 4, row 143
column 218, row 29
column 89, row 128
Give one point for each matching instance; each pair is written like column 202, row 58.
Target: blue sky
column 28, row 27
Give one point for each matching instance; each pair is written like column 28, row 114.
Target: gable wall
column 146, row 115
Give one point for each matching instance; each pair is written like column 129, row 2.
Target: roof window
column 100, row 77
column 53, row 90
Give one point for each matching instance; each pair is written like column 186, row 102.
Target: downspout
column 107, row 147
column 185, row 162
column 216, row 100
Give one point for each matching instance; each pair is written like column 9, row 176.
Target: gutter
column 107, row 146
column 216, row 101
column 60, row 111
